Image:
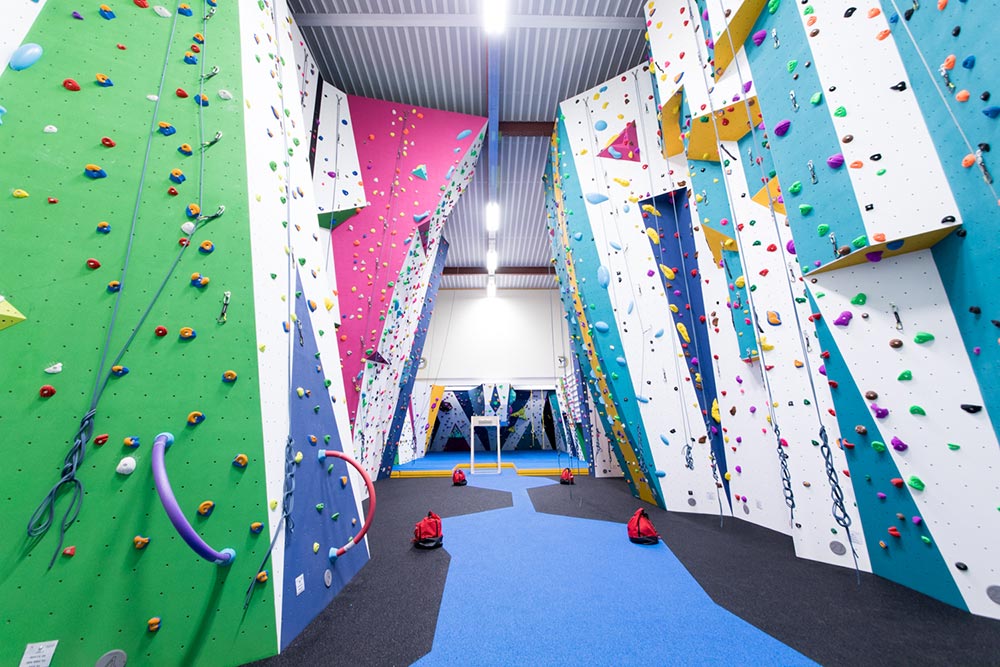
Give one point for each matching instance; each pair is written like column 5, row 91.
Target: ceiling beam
column 385, row 20
column 501, row 271
column 510, row 128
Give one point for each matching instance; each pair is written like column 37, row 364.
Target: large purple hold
column 880, row 413
column 844, row 319
column 875, row 256
column 790, row 247
column 747, row 85
column 759, row 37
column 781, row 129
column 898, row 444
column 835, row 161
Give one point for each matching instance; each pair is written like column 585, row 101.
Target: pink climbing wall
column 408, row 155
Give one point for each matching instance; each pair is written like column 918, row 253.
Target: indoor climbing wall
column 451, row 428
column 172, row 211
column 340, row 188
column 388, row 376
column 524, row 425
column 414, row 163
column 812, row 158
column 424, row 403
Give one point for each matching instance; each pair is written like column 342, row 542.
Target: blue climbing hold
column 596, row 198
column 895, row 245
column 969, row 62
column 658, row 334
column 991, row 112
column 462, row 135
column 25, row 56
column 600, row 126
column 664, row 440
column 602, row 327
column 603, row 276
column 615, row 245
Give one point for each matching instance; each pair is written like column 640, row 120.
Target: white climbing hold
column 50, row 129
column 54, row 368
column 162, row 11
column 152, row 98
column 225, row 94
column 126, row 466
column 188, row 228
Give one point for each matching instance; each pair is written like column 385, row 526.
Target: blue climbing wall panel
column 319, row 495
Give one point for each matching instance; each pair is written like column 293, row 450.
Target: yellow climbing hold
column 649, row 208
column 798, row 364
column 740, row 282
column 674, row 309
column 20, row 194
column 668, row 272
column 730, row 244
column 716, row 414
column 653, row 236
column 764, row 345
column 328, row 302
column 9, row 315
column 683, row 331
column 623, row 182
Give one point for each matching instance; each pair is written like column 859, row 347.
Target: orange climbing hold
column 873, row 12
column 968, row 160
column 962, row 96
column 942, row 4
column 949, row 62
column 882, row 34
column 857, row 164
column 878, row 237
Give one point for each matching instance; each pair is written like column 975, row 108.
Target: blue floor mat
column 523, row 459
column 525, row 588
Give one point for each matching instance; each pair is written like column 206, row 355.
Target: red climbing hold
column 172, row 191
column 93, row 264
column 101, row 439
column 160, row 331
column 121, row 47
column 897, row 482
column 47, row 391
column 69, row 551
column 142, row 4
column 894, row 531
column 181, row 92
column 108, row 142
column 70, row 84
column 183, row 242
column 53, row 200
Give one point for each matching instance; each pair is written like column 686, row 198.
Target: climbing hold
column 602, row 327
column 177, row 176
column 844, row 319
column 805, row 209
column 878, row 446
column 918, row 484
column 262, row 577
column 835, row 161
column 94, row 171
column 206, row 507
column 822, row 229
column 190, row 58
column 140, row 542
column 759, row 37
column 126, row 466
column 240, row 461
column 923, row 337
column 185, row 149
column 192, row 211
column 195, row 417
column 106, row 12
column 70, row 84
column 917, row 410
column 119, row 371
column 229, row 377
column 961, row 566
column 773, row 318
column 206, row 247
column 898, row 444
column 895, row 343
column 667, row 272
column 596, row 198
column 25, row 56
column 971, row 409
column 153, row 624
column 103, row 80
column 198, row 280
column 47, row 391
column 343, row 482
column 225, row 94
column 894, row 531
column 781, row 129
column 54, row 368
column 201, row 100
column 18, row 193
column 256, row 527
column 108, row 142
column 904, row 376
column 93, row 263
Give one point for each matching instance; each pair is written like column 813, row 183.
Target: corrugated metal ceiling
column 504, row 281
column 445, row 68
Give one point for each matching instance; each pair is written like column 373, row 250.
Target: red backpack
column 458, row 477
column 641, row 530
column 427, row 532
column 566, row 477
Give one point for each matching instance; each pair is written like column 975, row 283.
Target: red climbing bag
column 458, row 477
column 566, row 477
column 641, row 530
column 427, row 532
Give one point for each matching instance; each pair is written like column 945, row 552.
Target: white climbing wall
column 964, row 527
column 267, row 141
column 337, row 177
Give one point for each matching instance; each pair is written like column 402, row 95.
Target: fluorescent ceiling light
column 491, row 261
column 494, row 16
column 492, row 216
column 491, row 286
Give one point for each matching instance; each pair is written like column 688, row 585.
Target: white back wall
column 515, row 337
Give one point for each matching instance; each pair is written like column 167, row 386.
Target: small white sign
column 38, row 654
column 300, row 584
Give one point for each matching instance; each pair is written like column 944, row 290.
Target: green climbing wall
column 101, row 598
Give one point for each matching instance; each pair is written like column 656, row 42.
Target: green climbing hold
column 274, row 166
column 923, row 337
column 915, row 483
column 772, row 6
column 335, row 516
column 805, row 209
column 904, row 376
column 880, row 172
column 327, row 383
column 302, row 261
column 792, row 64
column 326, row 438
column 860, row 299
column 800, row 299
column 840, row 112
column 953, row 447
column 319, row 507
column 860, row 242
column 329, row 469
column 805, row 401
column 917, row 410
column 795, row 188
column 878, row 446
column 925, row 539
column 823, row 229
column 816, row 98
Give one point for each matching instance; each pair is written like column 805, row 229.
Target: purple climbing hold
column 898, row 444
column 844, row 319
column 781, row 129
column 880, row 413
column 875, row 256
column 747, row 85
column 759, row 37
column 822, row 369
column 790, row 247
column 78, row 16
column 835, row 161
column 881, row 496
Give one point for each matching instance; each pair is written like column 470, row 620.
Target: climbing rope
column 43, row 516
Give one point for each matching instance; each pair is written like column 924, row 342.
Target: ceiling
column 433, row 53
